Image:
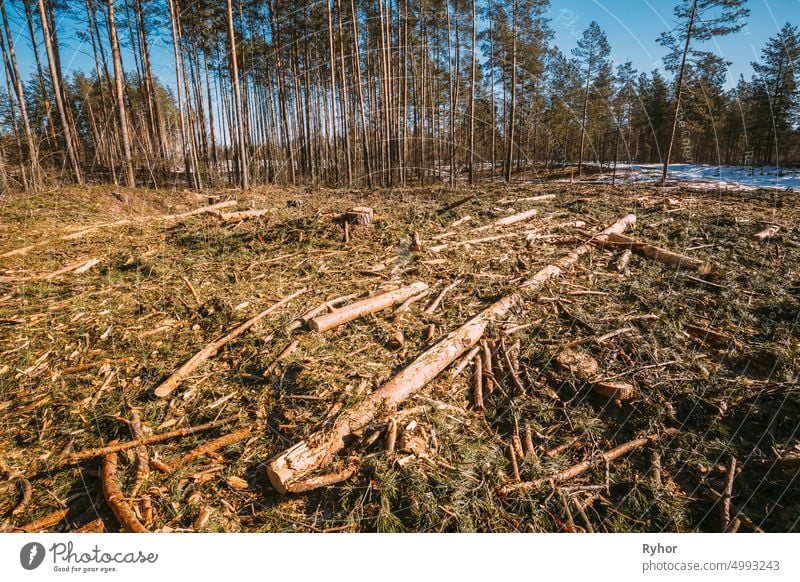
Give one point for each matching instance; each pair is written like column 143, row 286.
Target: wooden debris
column 171, row 383
column 509, row 220
column 656, row 253
column 438, row 300
column 94, row 526
column 766, row 233
column 202, row 518
column 406, row 305
column 575, row 470
column 618, row 391
column 114, row 498
column 323, row 480
column 458, row 368
column 391, row 435
column 715, row 496
column 142, row 457
column 359, row 215
column 48, row 520
column 148, row 440
column 397, row 340
column 512, row 456
column 725, row 510
column 624, row 259
column 75, row 268
column 455, row 204
column 243, row 215
column 477, row 383
column 710, row 336
column 581, row 364
column 366, row 306
column 214, row 445
column 238, row 483
column 308, row 455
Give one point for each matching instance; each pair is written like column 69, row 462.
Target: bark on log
column 114, row 498
column 455, row 204
column 576, row 470
column 366, row 306
column 48, row 520
column 656, row 253
column 320, row 448
column 214, row 445
column 171, row 383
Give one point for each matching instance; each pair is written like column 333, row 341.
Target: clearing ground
column 105, row 293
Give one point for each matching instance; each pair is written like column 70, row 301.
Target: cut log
column 318, row 450
column 658, row 254
column 114, row 498
column 171, row 383
column 767, row 233
column 622, row 264
column 509, row 220
column 575, row 470
column 366, row 306
column 359, row 215
column 243, row 215
column 615, row 390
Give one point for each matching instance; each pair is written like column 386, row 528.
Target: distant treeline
column 373, row 93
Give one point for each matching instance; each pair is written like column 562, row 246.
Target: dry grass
column 135, row 316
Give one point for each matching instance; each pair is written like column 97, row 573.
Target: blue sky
column 632, row 27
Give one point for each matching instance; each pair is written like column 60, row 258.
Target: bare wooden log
column 458, row 368
column 391, row 435
column 584, row 466
column 656, row 253
column 359, row 215
column 767, row 233
column 114, row 498
column 509, row 220
column 149, row 440
column 366, row 306
column 171, row 383
column 512, row 456
column 308, row 455
column 242, row 215
column 214, row 445
column 438, row 300
column 475, row 241
column 624, row 259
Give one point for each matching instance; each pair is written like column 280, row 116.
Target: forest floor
column 82, row 350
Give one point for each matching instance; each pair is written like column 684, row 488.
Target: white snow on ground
column 706, row 176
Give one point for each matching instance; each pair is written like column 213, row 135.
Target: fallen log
column 765, row 234
column 475, row 241
column 656, row 253
column 214, row 445
column 575, row 470
column 455, row 204
column 149, row 440
column 509, row 220
column 171, row 383
column 48, row 520
column 366, row 306
column 242, row 215
column 318, row 450
column 114, row 498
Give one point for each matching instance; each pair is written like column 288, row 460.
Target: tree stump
column 359, row 216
